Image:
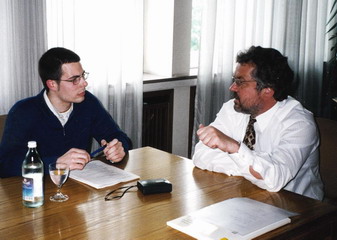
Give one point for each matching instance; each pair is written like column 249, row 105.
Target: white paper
column 236, row 218
column 100, row 175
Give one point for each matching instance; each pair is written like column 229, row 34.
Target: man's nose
column 84, row 82
column 233, row 87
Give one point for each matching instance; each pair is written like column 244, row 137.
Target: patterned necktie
column 249, row 138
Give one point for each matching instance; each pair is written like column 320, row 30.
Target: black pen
column 97, row 152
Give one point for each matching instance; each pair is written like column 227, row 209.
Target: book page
column 236, row 218
column 100, row 175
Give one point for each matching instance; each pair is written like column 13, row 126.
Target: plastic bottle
column 32, row 182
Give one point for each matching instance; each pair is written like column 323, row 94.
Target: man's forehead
column 72, row 69
column 244, row 69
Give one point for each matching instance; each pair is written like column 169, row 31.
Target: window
column 195, row 34
column 169, row 50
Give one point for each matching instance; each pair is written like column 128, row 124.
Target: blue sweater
column 31, row 120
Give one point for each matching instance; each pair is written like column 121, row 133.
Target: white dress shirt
column 285, row 153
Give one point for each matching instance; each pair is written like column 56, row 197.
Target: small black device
column 151, row 186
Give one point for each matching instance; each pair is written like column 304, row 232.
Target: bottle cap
column 32, row 144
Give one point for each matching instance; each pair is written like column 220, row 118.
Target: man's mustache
column 235, row 95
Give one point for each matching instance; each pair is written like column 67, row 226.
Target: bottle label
column 32, row 186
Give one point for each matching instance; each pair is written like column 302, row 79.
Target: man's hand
column 75, row 158
column 214, row 138
column 114, row 151
column 254, row 173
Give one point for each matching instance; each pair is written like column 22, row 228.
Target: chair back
column 2, row 124
column 328, row 157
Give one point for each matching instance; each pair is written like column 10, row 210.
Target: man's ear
column 269, row 92
column 51, row 84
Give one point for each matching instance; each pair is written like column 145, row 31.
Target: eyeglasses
column 76, row 79
column 110, row 196
column 239, row 82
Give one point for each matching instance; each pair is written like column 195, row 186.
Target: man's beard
column 252, row 110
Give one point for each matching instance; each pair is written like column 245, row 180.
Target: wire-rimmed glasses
column 238, row 82
column 77, row 78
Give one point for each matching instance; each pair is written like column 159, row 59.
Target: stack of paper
column 236, row 218
column 100, row 175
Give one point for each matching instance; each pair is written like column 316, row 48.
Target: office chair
column 2, row 124
column 328, row 158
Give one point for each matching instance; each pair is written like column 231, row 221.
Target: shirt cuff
column 243, row 158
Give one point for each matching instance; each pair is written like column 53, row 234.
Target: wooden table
column 87, row 216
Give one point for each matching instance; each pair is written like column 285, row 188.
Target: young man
column 284, row 152
column 63, row 118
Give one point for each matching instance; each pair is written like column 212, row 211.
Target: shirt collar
column 62, row 117
column 263, row 119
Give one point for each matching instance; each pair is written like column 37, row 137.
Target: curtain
column 295, row 28
column 108, row 36
column 22, row 42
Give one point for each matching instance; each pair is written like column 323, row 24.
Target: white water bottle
column 32, row 182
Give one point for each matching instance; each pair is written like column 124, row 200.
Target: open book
column 233, row 219
column 100, row 175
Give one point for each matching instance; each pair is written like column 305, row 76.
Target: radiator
column 157, row 120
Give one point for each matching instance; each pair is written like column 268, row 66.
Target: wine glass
column 59, row 173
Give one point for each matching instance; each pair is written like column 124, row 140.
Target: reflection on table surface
column 135, row 216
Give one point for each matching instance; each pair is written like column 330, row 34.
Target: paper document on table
column 233, row 219
column 100, row 175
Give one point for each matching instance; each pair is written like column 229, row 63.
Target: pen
column 97, row 152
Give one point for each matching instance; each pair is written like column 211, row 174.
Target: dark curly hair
column 271, row 70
